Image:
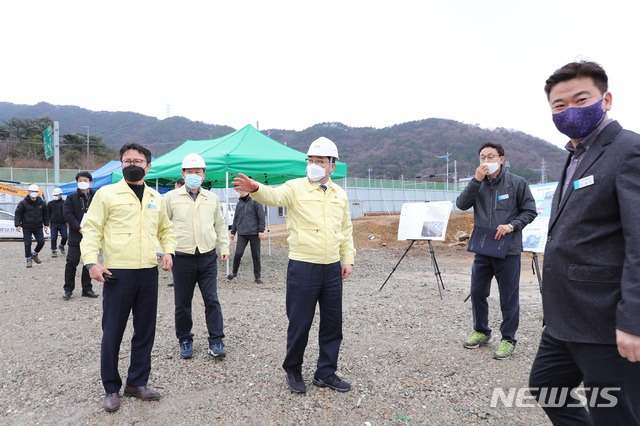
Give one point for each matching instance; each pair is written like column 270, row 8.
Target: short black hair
column 180, row 181
column 84, row 174
column 495, row 146
column 136, row 146
column 581, row 69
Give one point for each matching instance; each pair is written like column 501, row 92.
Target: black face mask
column 133, row 173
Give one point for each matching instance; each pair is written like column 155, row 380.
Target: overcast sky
column 292, row 64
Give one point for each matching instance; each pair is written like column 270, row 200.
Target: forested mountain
column 410, row 149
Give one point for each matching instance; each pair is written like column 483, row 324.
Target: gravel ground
column 402, row 350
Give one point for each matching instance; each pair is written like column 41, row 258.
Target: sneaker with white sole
column 216, row 350
column 35, row 257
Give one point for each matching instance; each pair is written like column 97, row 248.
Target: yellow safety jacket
column 319, row 222
column 128, row 232
column 198, row 223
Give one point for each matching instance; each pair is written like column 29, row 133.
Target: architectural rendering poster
column 534, row 235
column 424, row 221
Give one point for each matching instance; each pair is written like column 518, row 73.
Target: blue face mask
column 578, row 122
column 193, row 181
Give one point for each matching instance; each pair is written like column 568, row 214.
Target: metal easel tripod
column 434, row 265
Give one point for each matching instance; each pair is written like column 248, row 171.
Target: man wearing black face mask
column 591, row 274
column 128, row 221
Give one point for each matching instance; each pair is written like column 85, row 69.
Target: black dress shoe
column 111, row 402
column 66, row 295
column 89, row 293
column 141, row 392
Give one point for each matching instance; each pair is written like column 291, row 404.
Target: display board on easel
column 534, row 235
column 424, row 221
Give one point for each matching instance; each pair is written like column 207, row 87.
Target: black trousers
column 564, row 365
column 308, row 285
column 187, row 271
column 255, row 253
column 38, row 233
column 136, row 291
column 58, row 228
column 70, row 268
column 507, row 273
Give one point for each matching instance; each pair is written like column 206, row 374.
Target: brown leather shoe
column 111, row 402
column 141, row 392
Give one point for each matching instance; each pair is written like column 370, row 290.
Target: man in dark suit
column 591, row 274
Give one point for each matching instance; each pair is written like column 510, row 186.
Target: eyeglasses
column 137, row 162
column 320, row 162
column 489, row 157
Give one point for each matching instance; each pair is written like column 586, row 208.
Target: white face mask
column 33, row 195
column 193, row 181
column 57, row 197
column 84, row 185
column 492, row 167
column 315, row 173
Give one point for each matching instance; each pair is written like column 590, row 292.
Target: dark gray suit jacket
column 591, row 274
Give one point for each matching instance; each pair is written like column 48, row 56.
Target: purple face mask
column 579, row 122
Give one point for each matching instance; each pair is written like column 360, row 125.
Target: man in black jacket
column 503, row 202
column 248, row 223
column 31, row 215
column 75, row 207
column 58, row 224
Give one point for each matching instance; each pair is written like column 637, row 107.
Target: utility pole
column 543, row 172
column 446, row 157
column 56, row 147
column 455, row 175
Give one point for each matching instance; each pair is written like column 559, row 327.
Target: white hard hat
column 33, row 188
column 323, row 147
column 56, row 191
column 193, row 161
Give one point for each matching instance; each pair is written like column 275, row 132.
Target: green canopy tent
column 245, row 151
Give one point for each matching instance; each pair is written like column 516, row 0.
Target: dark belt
column 197, row 253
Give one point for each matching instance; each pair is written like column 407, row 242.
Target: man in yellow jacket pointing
column 321, row 255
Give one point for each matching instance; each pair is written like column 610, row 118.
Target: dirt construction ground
column 402, row 349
